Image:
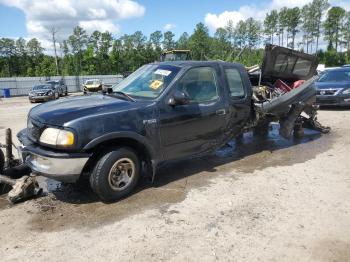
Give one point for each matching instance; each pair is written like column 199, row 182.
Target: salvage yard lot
column 266, row 199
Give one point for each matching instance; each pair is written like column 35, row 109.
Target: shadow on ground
column 77, row 206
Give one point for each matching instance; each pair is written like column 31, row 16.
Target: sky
column 35, row 18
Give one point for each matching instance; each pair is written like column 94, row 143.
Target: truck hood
column 62, row 111
column 40, row 91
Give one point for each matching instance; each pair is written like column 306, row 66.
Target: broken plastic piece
column 282, row 86
column 298, row 83
column 22, row 188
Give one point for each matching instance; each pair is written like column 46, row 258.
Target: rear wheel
column 57, row 95
column 116, row 174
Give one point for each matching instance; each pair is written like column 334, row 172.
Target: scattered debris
column 22, row 188
column 25, row 186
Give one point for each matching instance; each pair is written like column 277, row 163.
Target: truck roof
column 196, row 63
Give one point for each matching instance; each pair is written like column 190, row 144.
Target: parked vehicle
column 43, row 93
column 60, row 86
column 333, row 87
column 92, row 85
column 167, row 111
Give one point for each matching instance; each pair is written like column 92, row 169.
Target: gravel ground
column 263, row 199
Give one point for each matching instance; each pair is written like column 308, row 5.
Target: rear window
column 292, row 65
column 302, row 67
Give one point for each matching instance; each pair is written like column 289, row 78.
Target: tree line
column 100, row 53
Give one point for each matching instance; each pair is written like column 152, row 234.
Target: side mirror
column 179, row 98
column 109, row 90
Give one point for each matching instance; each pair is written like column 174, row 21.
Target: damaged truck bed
column 284, row 89
column 166, row 111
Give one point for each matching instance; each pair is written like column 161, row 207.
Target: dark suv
column 60, row 86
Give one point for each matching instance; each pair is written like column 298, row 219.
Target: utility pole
column 54, row 31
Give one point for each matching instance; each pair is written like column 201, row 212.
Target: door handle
column 221, row 112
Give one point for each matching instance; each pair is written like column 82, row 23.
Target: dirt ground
column 261, row 199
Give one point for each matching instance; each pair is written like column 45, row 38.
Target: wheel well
column 101, row 149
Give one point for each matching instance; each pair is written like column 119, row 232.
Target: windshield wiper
column 124, row 95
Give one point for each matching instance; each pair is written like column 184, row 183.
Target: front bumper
column 40, row 98
column 92, row 89
column 64, row 167
column 325, row 100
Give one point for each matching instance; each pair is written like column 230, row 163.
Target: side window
column 235, row 82
column 200, row 84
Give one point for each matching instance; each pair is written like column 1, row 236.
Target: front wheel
column 115, row 174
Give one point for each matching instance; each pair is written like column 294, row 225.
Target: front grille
column 326, row 101
column 327, row 92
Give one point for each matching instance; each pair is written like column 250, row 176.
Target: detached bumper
column 64, row 167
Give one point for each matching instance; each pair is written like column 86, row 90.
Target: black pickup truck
column 166, row 111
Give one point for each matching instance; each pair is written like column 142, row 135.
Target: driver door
column 192, row 128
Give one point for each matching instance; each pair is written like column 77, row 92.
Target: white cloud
column 64, row 15
column 214, row 21
column 168, row 27
column 258, row 11
column 100, row 25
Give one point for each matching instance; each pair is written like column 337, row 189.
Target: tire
column 2, row 162
column 66, row 93
column 56, row 96
column 107, row 179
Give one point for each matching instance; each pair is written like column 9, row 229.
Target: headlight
column 57, row 137
column 346, row 91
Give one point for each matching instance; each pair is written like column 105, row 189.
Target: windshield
column 149, row 81
column 41, row 87
column 335, row 76
column 91, row 82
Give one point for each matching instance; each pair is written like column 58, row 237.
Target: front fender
column 123, row 134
